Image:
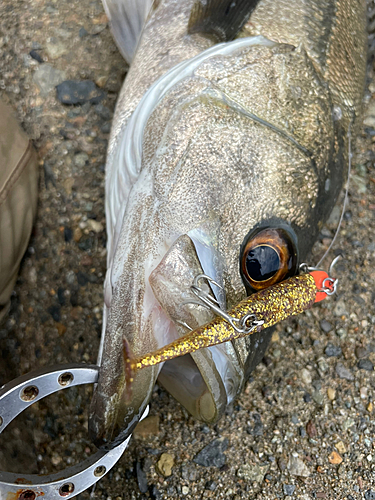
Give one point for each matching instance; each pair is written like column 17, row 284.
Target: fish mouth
column 203, row 382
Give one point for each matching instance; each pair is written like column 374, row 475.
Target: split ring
column 24, row 391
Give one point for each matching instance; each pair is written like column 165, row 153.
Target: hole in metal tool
column 1, row 421
column 100, row 471
column 27, row 495
column 66, row 379
column 66, row 489
column 29, row 393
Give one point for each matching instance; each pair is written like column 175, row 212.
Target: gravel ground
column 303, row 427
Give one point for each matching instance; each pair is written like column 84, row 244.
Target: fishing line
column 345, row 197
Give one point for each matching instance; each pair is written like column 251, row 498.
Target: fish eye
column 268, row 256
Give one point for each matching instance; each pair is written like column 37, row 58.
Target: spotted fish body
column 209, row 142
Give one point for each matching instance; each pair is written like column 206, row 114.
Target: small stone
column 35, row 55
column 104, row 112
column 188, row 472
column 311, row 429
column 288, row 489
column 252, row 473
column 47, row 77
column 275, row 337
column 79, row 92
column 306, row 376
column 185, row 490
column 344, row 372
column 77, row 234
column 212, row 454
column 56, row 50
column 82, row 32
column 370, row 495
column 331, row 393
column 211, row 485
column 326, row 326
column 147, row 427
column 340, row 309
column 80, row 159
column 323, row 366
column 297, row 467
column 365, row 364
column 56, row 459
column 307, row 397
column 165, row 464
column 55, row 312
column 141, row 478
column 318, row 397
column 101, row 81
column 155, row 493
column 370, row 407
column 95, row 226
column 335, row 458
column 332, row 350
column 363, row 392
column 340, row 447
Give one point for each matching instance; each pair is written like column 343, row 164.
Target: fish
column 227, row 153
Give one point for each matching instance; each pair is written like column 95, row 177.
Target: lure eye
column 269, row 256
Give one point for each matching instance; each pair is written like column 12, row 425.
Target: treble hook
column 246, row 324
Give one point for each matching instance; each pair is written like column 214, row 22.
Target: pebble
column 340, row 447
column 147, row 427
column 95, row 226
column 79, row 92
column 370, row 407
column 188, row 472
column 344, row 372
column 361, row 352
column 141, row 478
column 46, row 77
column 288, row 489
column 306, row 376
column 211, row 485
column 370, row 495
column 332, row 350
column 326, row 326
column 104, row 112
column 331, row 393
column 365, row 364
column 252, row 473
column 185, row 490
column 311, row 429
column 56, row 50
column 335, row 458
column 257, row 429
column 340, row 309
column 80, row 159
column 297, row 467
column 36, row 56
column 165, row 464
column 212, row 455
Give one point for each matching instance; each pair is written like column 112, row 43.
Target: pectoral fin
column 221, row 19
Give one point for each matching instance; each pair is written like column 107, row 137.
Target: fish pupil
column 262, row 262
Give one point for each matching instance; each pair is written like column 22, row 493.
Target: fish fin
column 126, row 19
column 222, row 19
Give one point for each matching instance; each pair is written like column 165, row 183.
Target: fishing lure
column 253, row 314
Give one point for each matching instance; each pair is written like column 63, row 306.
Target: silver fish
column 227, row 154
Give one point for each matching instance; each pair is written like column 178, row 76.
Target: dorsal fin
column 221, row 19
column 126, row 19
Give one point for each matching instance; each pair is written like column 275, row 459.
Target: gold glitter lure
column 269, row 306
